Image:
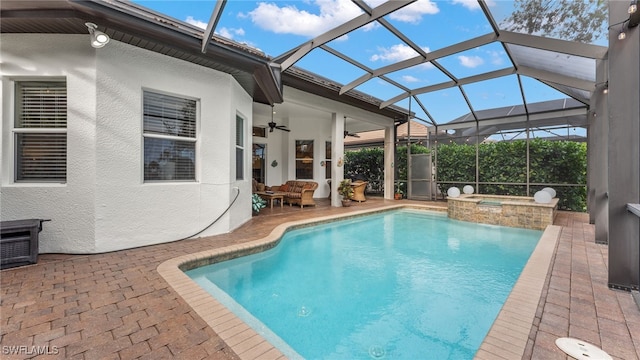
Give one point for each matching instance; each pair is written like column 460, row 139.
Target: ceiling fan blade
column 283, row 128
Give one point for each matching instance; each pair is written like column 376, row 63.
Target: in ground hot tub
column 514, row 211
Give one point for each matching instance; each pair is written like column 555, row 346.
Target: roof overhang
column 138, row 26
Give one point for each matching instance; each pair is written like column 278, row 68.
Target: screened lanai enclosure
column 490, row 84
column 515, row 157
column 487, row 84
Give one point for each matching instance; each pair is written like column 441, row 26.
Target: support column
column 337, row 157
column 623, row 151
column 389, row 166
column 597, row 159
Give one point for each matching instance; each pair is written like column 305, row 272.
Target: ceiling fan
column 272, row 124
column 347, row 133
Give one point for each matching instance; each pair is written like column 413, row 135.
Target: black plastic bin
column 19, row 242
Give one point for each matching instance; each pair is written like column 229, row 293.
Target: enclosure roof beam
column 487, row 14
column 213, row 22
column 549, row 76
column 440, row 53
column 342, row 29
column 555, row 45
column 522, row 118
column 450, row 84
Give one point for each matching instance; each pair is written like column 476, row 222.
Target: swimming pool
column 341, row 292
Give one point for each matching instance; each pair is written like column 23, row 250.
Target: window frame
column 17, row 130
column 305, row 159
column 240, row 147
column 328, row 150
column 194, row 139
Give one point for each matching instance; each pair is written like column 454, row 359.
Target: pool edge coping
column 248, row 344
column 509, row 334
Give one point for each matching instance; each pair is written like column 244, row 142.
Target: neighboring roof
column 542, row 114
column 563, row 112
column 376, row 137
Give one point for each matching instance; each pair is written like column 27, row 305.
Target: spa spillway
column 514, row 211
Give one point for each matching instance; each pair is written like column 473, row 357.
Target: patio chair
column 358, row 191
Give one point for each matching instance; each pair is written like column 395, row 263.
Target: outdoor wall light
column 98, row 38
column 604, row 86
column 622, row 35
column 634, row 14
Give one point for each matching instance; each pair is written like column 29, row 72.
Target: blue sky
column 275, row 27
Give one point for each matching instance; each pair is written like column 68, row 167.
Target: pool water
column 396, row 285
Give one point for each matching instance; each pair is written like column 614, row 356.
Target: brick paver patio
column 117, row 306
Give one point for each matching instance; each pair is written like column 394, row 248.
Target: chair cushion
column 284, row 187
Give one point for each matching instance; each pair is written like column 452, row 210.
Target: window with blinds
column 239, row 148
column 40, row 131
column 169, row 132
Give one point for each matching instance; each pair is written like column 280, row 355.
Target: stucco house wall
column 105, row 204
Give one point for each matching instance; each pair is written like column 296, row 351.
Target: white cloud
column 291, row 20
column 496, row 57
column 395, row 53
column 198, row 23
column 371, row 26
column 472, row 4
column 413, row 13
column 230, row 33
column 470, row 61
column 410, row 79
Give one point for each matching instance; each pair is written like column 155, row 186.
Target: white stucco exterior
column 105, row 204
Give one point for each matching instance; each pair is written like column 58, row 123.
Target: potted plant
column 257, row 203
column 345, row 189
column 399, row 193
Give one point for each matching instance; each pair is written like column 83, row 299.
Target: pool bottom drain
column 377, row 352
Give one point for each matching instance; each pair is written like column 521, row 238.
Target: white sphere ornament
column 542, row 197
column 453, row 192
column 467, row 189
column 551, row 191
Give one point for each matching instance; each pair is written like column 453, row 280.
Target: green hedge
column 368, row 163
column 550, row 162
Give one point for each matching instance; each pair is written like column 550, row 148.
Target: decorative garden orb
column 453, row 192
column 467, row 189
column 542, row 197
column 551, row 191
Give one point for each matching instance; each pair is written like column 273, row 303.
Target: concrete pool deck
column 116, row 305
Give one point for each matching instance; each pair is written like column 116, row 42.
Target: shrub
column 550, row 162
